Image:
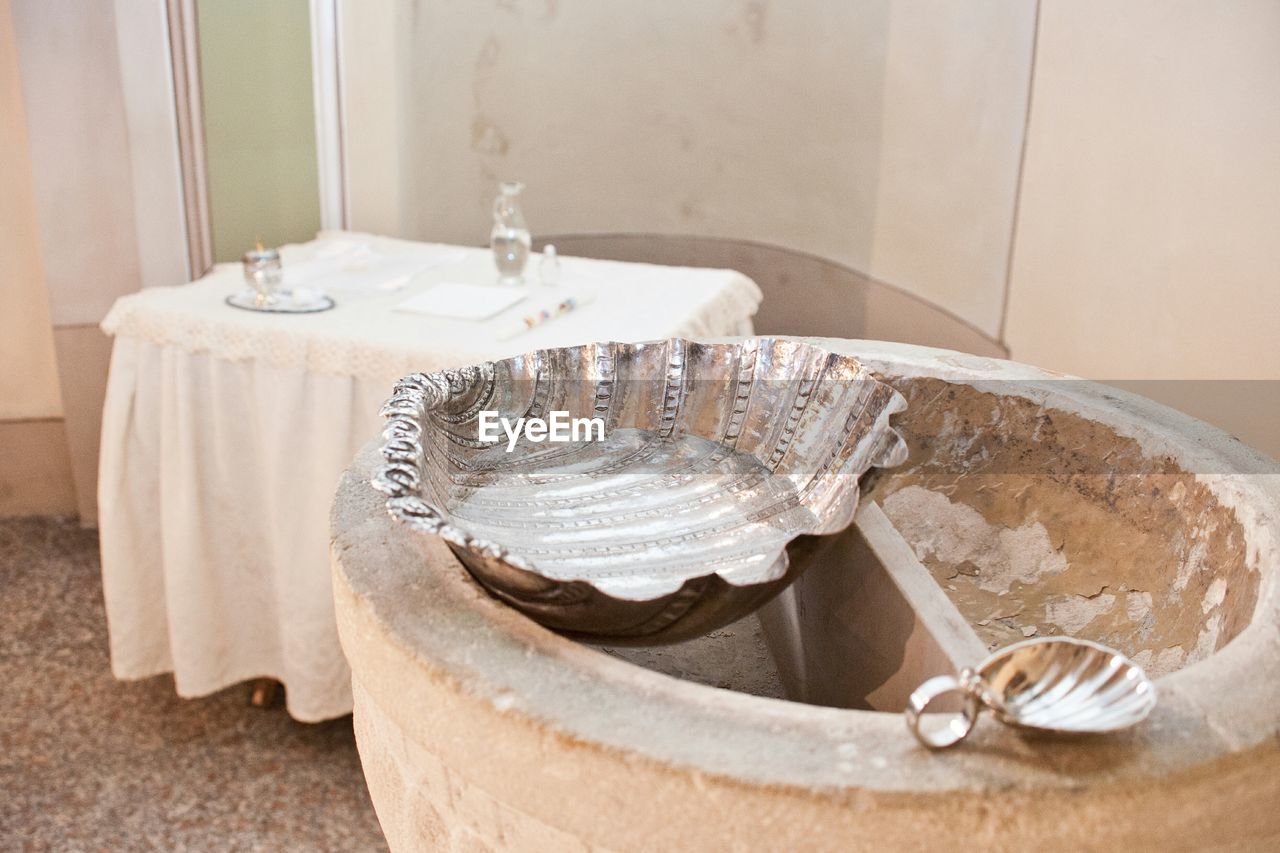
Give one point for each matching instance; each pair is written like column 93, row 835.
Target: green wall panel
column 259, row 122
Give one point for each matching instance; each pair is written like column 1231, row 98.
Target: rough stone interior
column 1022, row 514
column 735, row 657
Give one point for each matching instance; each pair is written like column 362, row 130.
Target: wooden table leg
column 263, row 692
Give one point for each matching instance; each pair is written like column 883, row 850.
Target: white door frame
column 184, row 52
column 326, row 50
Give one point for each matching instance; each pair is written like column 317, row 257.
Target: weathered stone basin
column 1039, row 520
column 1037, row 504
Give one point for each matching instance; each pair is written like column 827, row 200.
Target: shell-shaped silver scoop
column 1054, row 684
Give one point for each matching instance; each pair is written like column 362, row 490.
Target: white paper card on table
column 353, row 266
column 460, row 301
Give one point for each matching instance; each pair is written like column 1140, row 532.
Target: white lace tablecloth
column 224, row 433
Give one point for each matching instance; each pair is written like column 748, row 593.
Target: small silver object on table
column 264, row 273
column 721, row 466
column 1051, row 684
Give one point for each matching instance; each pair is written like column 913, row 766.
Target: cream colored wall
column 97, row 85
column 80, row 155
column 35, row 475
column 885, row 134
column 109, row 210
column 952, row 121
column 28, row 369
column 1148, row 238
column 1148, row 242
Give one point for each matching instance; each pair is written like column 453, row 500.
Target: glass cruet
column 510, row 238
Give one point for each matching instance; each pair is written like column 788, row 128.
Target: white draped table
column 224, row 433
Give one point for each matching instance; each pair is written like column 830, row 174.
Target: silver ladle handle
column 968, row 685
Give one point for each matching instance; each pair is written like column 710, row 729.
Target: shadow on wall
column 803, row 294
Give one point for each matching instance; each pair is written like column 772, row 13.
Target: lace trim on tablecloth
column 728, row 313
column 284, row 348
column 362, row 354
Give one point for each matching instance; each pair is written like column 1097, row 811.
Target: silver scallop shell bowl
column 700, row 478
column 1060, row 685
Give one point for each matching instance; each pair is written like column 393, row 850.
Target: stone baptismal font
column 1028, row 506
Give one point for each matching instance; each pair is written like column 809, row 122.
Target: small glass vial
column 264, row 273
column 549, row 266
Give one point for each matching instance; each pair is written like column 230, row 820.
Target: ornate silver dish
column 1052, row 684
column 716, row 461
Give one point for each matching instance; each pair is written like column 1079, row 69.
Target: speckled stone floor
column 91, row 763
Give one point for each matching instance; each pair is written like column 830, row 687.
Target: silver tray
column 283, row 302
column 717, row 461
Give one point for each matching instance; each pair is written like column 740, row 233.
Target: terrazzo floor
column 91, row 763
